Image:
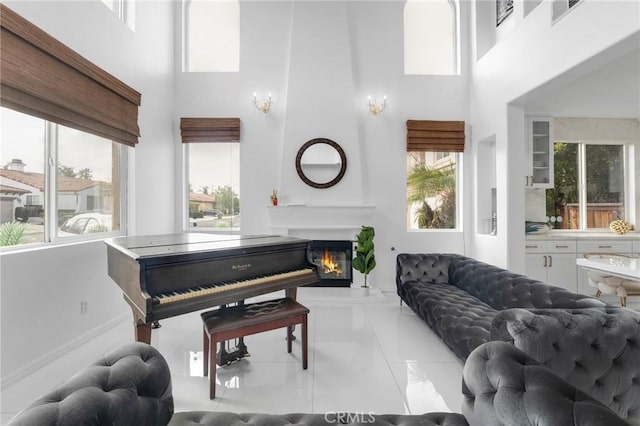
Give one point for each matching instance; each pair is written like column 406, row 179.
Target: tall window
column 589, row 190
column 214, row 186
column 56, row 182
column 211, row 36
column 430, row 37
column 432, row 190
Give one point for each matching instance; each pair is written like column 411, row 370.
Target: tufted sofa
column 468, row 303
column 131, row 386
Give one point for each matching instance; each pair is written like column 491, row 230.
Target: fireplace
column 333, row 260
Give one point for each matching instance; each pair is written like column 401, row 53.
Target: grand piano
column 163, row 276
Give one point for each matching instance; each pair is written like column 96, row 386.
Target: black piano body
column 163, row 276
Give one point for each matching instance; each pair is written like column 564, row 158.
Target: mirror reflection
column 321, row 163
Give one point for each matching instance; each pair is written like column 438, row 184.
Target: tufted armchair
column 131, row 386
column 596, row 350
column 503, row 386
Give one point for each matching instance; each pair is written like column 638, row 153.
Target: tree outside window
column 431, row 190
column 589, row 191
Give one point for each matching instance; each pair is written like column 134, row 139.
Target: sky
column 23, row 138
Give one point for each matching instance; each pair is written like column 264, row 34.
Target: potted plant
column 365, row 260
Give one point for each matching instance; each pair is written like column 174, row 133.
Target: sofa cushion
column 596, row 350
column 502, row 289
column 459, row 319
column 199, row 418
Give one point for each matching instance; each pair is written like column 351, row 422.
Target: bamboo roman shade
column 42, row 77
column 209, row 129
column 430, row 135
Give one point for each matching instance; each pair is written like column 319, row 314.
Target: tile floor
column 366, row 354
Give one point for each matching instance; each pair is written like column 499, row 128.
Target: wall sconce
column 376, row 109
column 264, row 105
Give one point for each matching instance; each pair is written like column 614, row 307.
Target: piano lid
column 150, row 246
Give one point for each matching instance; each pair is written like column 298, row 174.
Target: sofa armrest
column 427, row 268
column 130, row 385
column 595, row 349
column 503, row 386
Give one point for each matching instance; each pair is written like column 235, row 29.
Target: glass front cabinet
column 539, row 152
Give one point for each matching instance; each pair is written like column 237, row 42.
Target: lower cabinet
column 552, row 262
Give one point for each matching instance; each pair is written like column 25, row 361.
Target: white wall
column 41, row 289
column 321, row 60
column 532, row 54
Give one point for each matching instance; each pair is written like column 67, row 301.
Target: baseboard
column 14, row 377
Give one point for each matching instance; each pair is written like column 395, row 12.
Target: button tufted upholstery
column 596, row 350
column 467, row 303
column 196, row 418
column 502, row 289
column 129, row 386
column 503, row 386
column 458, row 297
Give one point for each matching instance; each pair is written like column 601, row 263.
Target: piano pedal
column 156, row 324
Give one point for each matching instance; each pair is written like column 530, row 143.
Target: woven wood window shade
column 440, row 136
column 42, row 77
column 197, row 129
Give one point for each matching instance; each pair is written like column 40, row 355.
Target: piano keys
column 168, row 275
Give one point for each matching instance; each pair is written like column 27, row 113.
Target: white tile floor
column 366, row 354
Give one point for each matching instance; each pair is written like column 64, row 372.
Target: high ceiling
column 607, row 86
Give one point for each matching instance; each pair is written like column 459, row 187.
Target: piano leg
column 143, row 332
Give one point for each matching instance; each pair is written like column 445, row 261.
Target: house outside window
column 81, row 180
column 590, row 185
column 213, row 203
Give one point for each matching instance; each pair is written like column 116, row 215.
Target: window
column 433, row 158
column 77, row 191
column 590, row 190
column 211, row 36
column 432, row 190
column 123, row 10
column 430, row 37
column 214, row 186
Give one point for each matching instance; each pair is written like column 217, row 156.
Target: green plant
column 424, row 182
column 365, row 260
column 12, row 233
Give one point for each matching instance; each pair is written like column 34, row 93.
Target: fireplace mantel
column 342, row 219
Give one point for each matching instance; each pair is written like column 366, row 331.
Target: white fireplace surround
column 320, row 221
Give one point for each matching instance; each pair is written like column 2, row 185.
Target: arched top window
column 430, row 37
column 211, row 36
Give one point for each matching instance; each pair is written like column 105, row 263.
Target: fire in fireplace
column 333, row 259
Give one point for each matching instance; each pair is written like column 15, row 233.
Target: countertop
column 577, row 235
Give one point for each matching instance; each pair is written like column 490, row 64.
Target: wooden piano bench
column 243, row 320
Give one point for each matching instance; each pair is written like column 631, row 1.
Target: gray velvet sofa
column 468, row 303
column 131, row 386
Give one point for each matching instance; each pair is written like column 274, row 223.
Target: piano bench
column 226, row 323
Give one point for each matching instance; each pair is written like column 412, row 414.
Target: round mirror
column 321, row 163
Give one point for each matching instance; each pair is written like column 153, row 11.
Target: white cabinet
column 539, row 152
column 552, row 262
